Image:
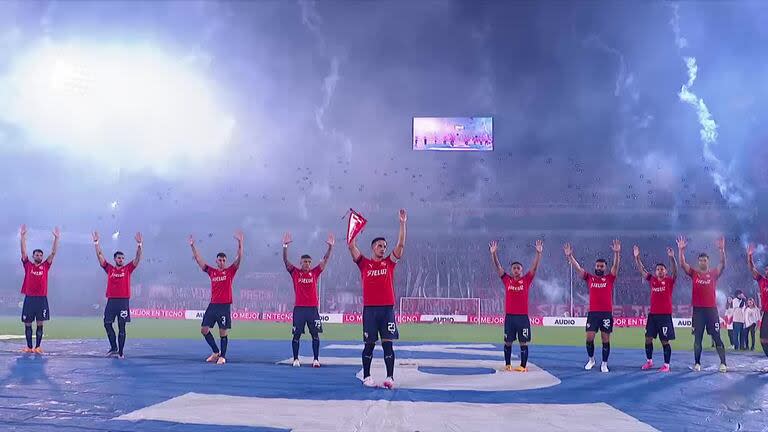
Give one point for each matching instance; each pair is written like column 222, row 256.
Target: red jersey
column 704, row 285
column 516, row 297
column 378, row 280
column 35, row 278
column 763, row 283
column 600, row 292
column 221, row 283
column 305, row 286
column 661, row 294
column 119, row 280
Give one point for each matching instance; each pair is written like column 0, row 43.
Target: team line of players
column 377, row 274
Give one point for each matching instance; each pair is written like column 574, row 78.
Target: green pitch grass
column 90, row 328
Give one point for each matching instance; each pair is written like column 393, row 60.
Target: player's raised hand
column 403, row 216
column 635, row 251
column 493, row 246
column 95, row 236
column 750, row 249
column 682, row 243
column 670, row 252
column 239, row 236
column 56, row 232
column 616, row 246
column 23, row 231
column 138, row 237
column 568, row 249
column 287, row 238
column 720, row 243
column 331, row 240
column 539, row 245
column 191, row 240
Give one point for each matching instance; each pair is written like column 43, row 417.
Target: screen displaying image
column 453, row 133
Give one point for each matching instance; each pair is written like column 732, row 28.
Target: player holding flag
column 35, row 289
column 305, row 309
column 517, row 325
column 705, row 315
column 378, row 277
column 659, row 321
column 600, row 315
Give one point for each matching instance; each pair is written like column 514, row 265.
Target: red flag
column 356, row 224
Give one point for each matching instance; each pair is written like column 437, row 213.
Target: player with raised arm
column 762, row 282
column 659, row 321
column 219, row 310
column 378, row 279
column 703, row 300
column 35, row 289
column 600, row 315
column 517, row 324
column 118, row 294
column 305, row 309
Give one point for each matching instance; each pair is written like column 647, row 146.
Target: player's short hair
column 221, row 255
column 703, row 255
column 660, row 264
column 373, row 242
column 118, row 253
column 517, row 262
column 305, row 256
column 36, row 251
column 601, row 260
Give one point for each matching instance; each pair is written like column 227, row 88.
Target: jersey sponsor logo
column 221, row 278
column 515, row 288
column 599, row 285
column 380, row 272
column 36, row 273
column 700, row 281
column 306, row 280
column 118, row 275
column 659, row 289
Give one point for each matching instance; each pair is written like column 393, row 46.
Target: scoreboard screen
column 453, row 133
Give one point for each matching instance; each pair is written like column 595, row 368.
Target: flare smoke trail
column 731, row 187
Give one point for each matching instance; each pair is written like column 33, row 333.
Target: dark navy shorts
column 309, row 317
column 218, row 314
column 660, row 325
column 517, row 327
column 379, row 320
column 35, row 309
column 117, row 308
column 706, row 318
column 602, row 321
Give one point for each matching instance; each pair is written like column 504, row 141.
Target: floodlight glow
column 128, row 107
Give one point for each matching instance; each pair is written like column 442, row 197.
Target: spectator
column 750, row 322
column 739, row 311
column 729, row 320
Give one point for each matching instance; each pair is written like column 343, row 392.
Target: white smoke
column 731, row 188
column 554, row 290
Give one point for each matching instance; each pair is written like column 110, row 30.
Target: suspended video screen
column 453, row 133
